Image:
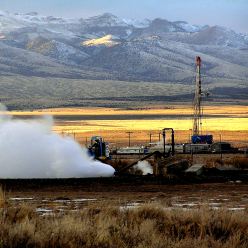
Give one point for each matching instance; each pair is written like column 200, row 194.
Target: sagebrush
column 151, row 225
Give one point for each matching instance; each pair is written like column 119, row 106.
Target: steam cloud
column 145, row 167
column 29, row 149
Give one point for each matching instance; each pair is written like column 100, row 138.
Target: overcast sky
column 229, row 13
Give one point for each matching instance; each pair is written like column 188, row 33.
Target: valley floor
column 225, row 122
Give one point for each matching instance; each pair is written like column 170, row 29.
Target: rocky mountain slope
column 106, row 47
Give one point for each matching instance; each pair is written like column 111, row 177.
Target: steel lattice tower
column 197, row 106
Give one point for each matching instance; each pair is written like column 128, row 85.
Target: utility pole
column 190, row 134
column 129, row 138
column 221, row 157
column 150, row 135
column 197, row 100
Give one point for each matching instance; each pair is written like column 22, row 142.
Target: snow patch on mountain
column 65, row 53
column 105, row 20
column 35, row 18
column 10, row 22
column 137, row 23
column 188, row 27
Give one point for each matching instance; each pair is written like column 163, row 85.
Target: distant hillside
column 110, row 49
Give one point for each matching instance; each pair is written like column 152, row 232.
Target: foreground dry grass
column 147, row 226
column 150, row 225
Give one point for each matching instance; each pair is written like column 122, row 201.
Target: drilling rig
column 197, row 136
column 198, row 110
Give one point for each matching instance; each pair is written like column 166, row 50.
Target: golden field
column 224, row 110
column 229, row 123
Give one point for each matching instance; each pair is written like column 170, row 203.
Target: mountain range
column 106, row 48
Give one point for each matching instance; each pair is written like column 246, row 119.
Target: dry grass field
column 223, row 110
column 148, row 226
column 229, row 123
column 125, row 216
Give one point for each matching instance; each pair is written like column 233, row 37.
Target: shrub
column 147, row 226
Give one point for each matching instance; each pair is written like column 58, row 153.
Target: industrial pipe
column 172, row 140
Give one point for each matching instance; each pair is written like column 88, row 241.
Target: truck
column 99, row 149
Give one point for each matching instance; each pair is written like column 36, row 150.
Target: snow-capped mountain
column 32, row 18
column 188, row 27
column 138, row 23
column 105, row 20
column 109, row 47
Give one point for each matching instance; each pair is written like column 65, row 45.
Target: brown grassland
column 224, row 110
column 230, row 123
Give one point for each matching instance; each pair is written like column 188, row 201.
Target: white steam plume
column 145, row 167
column 29, row 149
